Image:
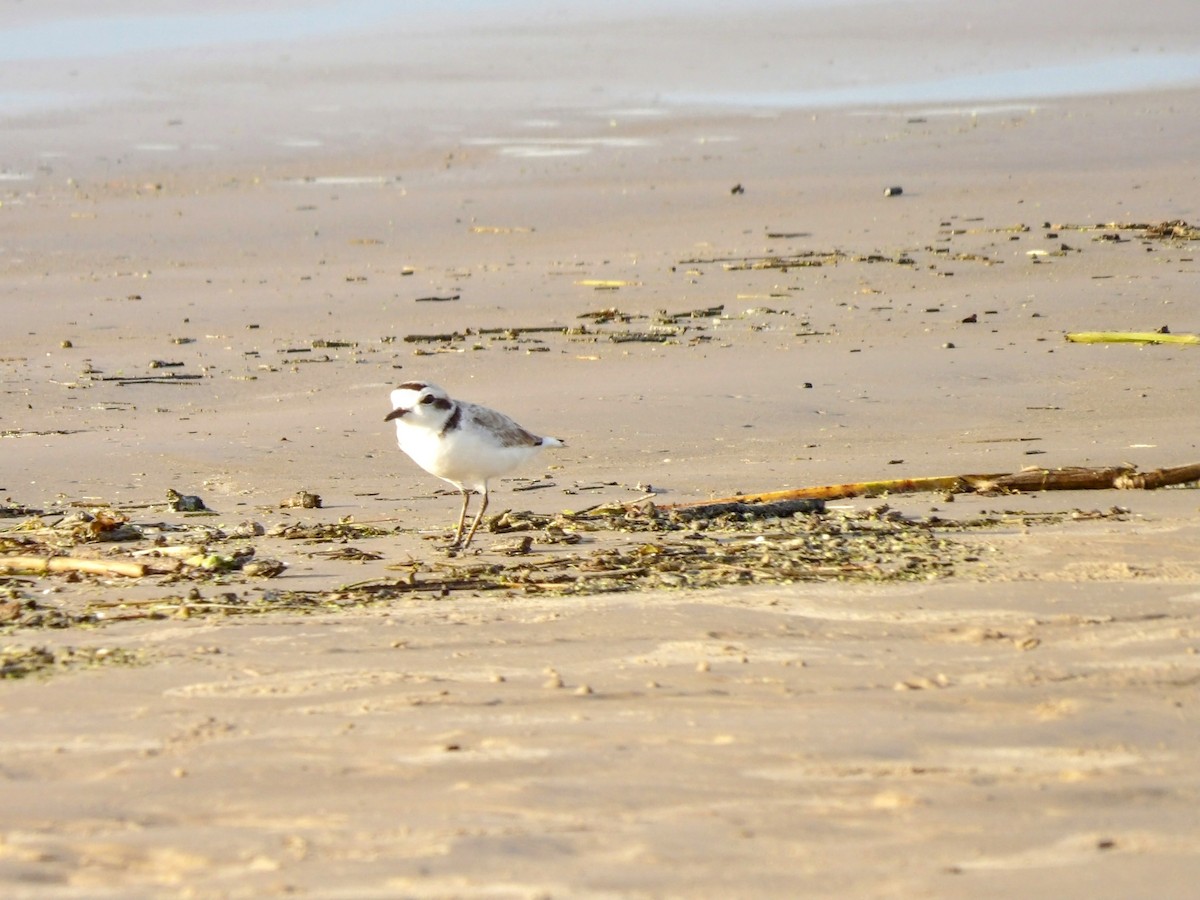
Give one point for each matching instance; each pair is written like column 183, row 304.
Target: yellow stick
column 1131, row 337
column 41, row 565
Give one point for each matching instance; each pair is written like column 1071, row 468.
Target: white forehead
column 406, row 395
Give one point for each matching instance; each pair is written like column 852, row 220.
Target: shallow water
column 1106, row 75
column 268, row 78
column 881, row 78
column 79, row 37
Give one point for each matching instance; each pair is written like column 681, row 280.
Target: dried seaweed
column 1172, row 229
column 300, row 531
column 611, row 547
column 21, row 662
column 730, row 550
column 17, row 511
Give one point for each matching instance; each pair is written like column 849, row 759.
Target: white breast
column 466, row 457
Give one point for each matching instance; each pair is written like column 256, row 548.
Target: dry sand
column 1026, row 726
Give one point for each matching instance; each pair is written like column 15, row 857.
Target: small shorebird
column 459, row 442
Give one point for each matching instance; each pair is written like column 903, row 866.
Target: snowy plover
column 462, row 443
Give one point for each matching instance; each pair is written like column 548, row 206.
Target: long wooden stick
column 1157, row 478
column 42, row 565
column 1070, row 478
column 1131, row 337
column 956, row 483
column 959, row 484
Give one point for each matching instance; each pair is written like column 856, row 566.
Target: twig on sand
column 1131, row 337
column 41, row 565
column 1069, row 478
column 955, row 483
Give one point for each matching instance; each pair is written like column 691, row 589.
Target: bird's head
column 419, row 402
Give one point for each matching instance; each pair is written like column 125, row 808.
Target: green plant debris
column 22, row 662
column 611, row 547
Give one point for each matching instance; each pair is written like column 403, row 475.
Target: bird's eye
column 428, row 398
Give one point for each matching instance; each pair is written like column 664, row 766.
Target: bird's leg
column 478, row 519
column 462, row 519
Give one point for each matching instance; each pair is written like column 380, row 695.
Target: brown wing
column 508, row 433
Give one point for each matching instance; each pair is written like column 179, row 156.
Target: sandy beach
column 661, row 233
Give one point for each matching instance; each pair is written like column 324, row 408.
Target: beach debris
column 44, row 565
column 556, row 534
column 100, row 525
column 302, row 500
column 655, row 336
column 706, row 312
column 893, row 191
column 354, row 554
column 438, row 299
column 756, row 510
column 608, row 314
column 641, row 547
column 1067, row 478
column 166, row 378
column 1162, row 336
column 518, row 547
column 737, row 189
column 185, row 502
column 728, row 550
column 1082, row 478
column 10, row 510
column 1175, row 228
column 606, row 284
column 806, row 259
column 264, row 568
column 1013, row 230
column 324, row 531
column 533, row 484
column 937, row 483
column 214, row 562
column 810, row 258
column 515, row 331
column 434, row 338
column 1171, row 229
column 21, row 662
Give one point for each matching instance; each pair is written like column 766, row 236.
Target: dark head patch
column 442, row 403
column 453, row 423
column 412, row 386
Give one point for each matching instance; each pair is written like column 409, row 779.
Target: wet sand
column 239, row 275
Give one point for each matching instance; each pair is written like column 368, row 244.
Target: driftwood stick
column 1069, row 478
column 42, row 565
column 956, row 483
column 1131, row 337
column 1158, row 477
